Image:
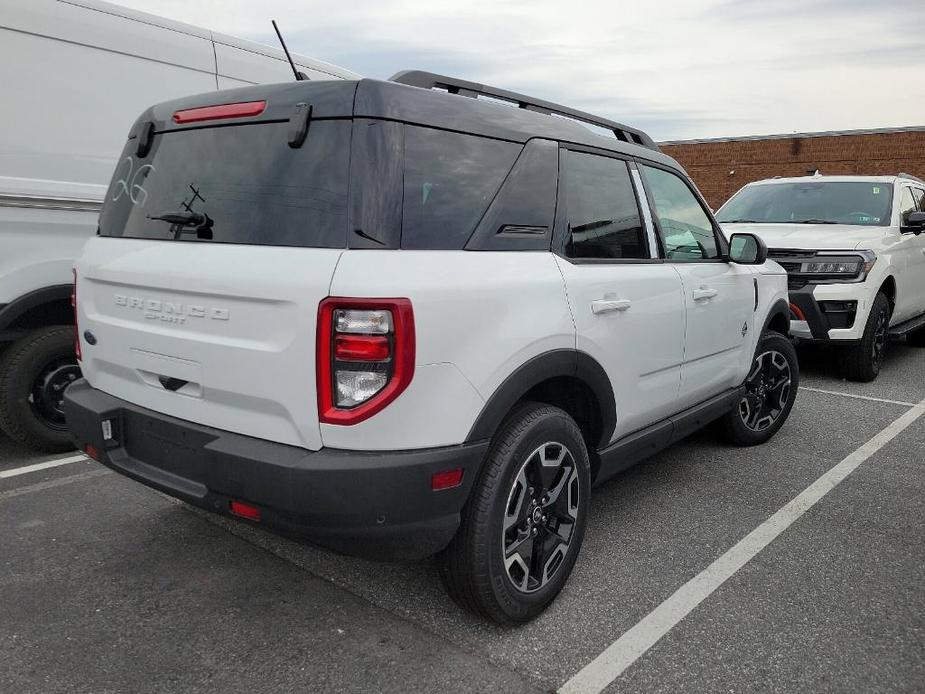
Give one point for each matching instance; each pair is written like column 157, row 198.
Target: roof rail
column 430, row 80
column 910, row 176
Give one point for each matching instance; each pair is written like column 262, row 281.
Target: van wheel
column 524, row 523
column 770, row 391
column 34, row 372
column 862, row 362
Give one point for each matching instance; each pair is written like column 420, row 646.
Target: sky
column 677, row 69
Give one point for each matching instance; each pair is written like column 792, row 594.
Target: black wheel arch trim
column 17, row 308
column 780, row 308
column 552, row 364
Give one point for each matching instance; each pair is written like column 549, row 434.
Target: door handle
column 704, row 293
column 606, row 305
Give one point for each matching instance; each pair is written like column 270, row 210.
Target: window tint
column 603, row 216
column 686, row 230
column 245, row 181
column 907, row 204
column 449, row 181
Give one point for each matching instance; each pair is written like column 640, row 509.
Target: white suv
column 398, row 321
column 855, row 255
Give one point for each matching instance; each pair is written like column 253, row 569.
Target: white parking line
column 623, row 652
column 42, row 466
column 861, row 397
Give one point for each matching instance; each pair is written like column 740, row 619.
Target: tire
column 769, row 398
column 862, row 362
column 916, row 338
column 34, row 371
column 473, row 567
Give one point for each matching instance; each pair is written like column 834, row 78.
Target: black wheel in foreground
column 770, row 391
column 34, row 372
column 862, row 362
column 523, row 526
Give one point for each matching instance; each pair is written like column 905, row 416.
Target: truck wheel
column 34, row 371
column 524, row 523
column 770, row 391
column 862, row 362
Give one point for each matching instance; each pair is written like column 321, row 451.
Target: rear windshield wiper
column 184, row 218
column 181, row 217
column 813, row 221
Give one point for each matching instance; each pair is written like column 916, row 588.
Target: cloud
column 681, row 69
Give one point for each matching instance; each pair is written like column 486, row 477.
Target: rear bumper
column 372, row 504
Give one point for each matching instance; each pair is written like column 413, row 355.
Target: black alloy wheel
column 767, row 390
column 540, row 517
column 863, row 360
column 524, row 521
column 770, row 389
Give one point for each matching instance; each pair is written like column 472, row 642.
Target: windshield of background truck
column 811, row 202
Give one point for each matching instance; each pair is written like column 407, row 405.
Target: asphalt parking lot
column 106, row 585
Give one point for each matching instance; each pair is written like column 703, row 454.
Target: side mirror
column 747, row 249
column 915, row 223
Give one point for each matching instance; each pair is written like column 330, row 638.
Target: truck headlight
column 838, row 266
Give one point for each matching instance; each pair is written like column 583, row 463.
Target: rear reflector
column 239, row 508
column 797, row 313
column 92, row 452
column 446, row 479
column 239, row 110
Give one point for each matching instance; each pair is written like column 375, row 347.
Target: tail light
column 76, row 329
column 365, row 356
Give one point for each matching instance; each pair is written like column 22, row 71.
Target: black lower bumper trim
column 376, row 504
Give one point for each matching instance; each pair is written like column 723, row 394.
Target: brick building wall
column 720, row 167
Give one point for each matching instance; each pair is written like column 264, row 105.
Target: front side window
column 919, row 195
column 686, row 230
column 907, row 205
column 603, row 216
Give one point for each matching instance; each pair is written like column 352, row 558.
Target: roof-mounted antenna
column 299, row 76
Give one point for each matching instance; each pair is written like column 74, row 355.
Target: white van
column 74, row 75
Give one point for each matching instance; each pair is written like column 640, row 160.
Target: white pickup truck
column 854, row 253
column 74, row 76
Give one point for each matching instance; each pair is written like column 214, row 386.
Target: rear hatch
column 218, row 238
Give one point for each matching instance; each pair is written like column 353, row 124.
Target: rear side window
column 686, row 230
column 603, row 215
column 449, row 181
column 245, row 182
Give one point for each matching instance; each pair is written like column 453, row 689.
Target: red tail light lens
column 76, row 328
column 365, row 356
column 240, row 110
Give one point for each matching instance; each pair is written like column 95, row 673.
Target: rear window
column 449, row 181
column 244, row 182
